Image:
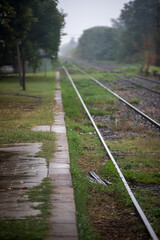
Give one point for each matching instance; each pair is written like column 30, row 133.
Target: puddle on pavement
column 20, row 170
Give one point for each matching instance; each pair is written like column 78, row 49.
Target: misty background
column 117, row 30
column 84, row 14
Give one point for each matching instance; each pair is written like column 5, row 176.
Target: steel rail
column 122, row 99
column 130, row 81
column 136, row 204
column 148, row 79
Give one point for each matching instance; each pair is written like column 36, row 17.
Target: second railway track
column 141, row 112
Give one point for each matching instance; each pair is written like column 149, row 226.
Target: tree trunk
column 158, row 36
column 19, row 65
column 23, row 67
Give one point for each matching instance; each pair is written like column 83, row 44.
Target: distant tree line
column 25, row 28
column 135, row 36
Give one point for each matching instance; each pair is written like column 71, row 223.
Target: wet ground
column 20, row 170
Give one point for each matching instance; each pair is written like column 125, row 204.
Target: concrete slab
column 62, row 142
column 63, row 214
column 58, row 165
column 61, row 155
column 42, row 128
column 61, row 147
column 65, row 230
column 60, row 182
column 67, row 218
column 62, row 207
column 63, row 160
column 61, row 238
column 63, row 198
column 57, row 171
column 63, row 190
column 58, row 129
column 61, row 177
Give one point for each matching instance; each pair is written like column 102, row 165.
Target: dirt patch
column 23, row 95
column 114, row 221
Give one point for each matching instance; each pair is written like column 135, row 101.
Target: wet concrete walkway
column 63, row 214
column 20, row 170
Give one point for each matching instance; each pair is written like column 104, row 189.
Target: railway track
column 146, row 94
column 136, row 204
column 148, row 79
column 155, row 123
column 134, row 82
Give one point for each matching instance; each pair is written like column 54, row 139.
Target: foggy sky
column 84, row 14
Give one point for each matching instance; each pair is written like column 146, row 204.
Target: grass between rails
column 19, row 112
column 97, row 207
column 139, row 160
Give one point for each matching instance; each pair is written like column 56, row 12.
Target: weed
column 121, row 89
column 42, row 194
column 134, row 100
column 152, row 207
column 96, row 112
column 130, row 70
column 100, row 125
column 142, row 177
column 105, row 76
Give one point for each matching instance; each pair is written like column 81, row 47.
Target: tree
column 7, row 13
column 142, row 21
column 98, row 43
column 33, row 25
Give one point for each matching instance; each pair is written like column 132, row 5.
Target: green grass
column 80, row 183
column 96, row 112
column 130, row 70
column 105, row 76
column 19, row 112
column 152, row 207
column 147, row 145
column 135, row 100
column 75, row 115
column 22, row 110
column 142, row 177
column 87, row 154
column 137, row 157
column 117, row 186
column 140, row 165
column 92, row 93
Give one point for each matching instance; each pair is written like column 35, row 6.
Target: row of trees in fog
column 26, row 27
column 135, row 36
